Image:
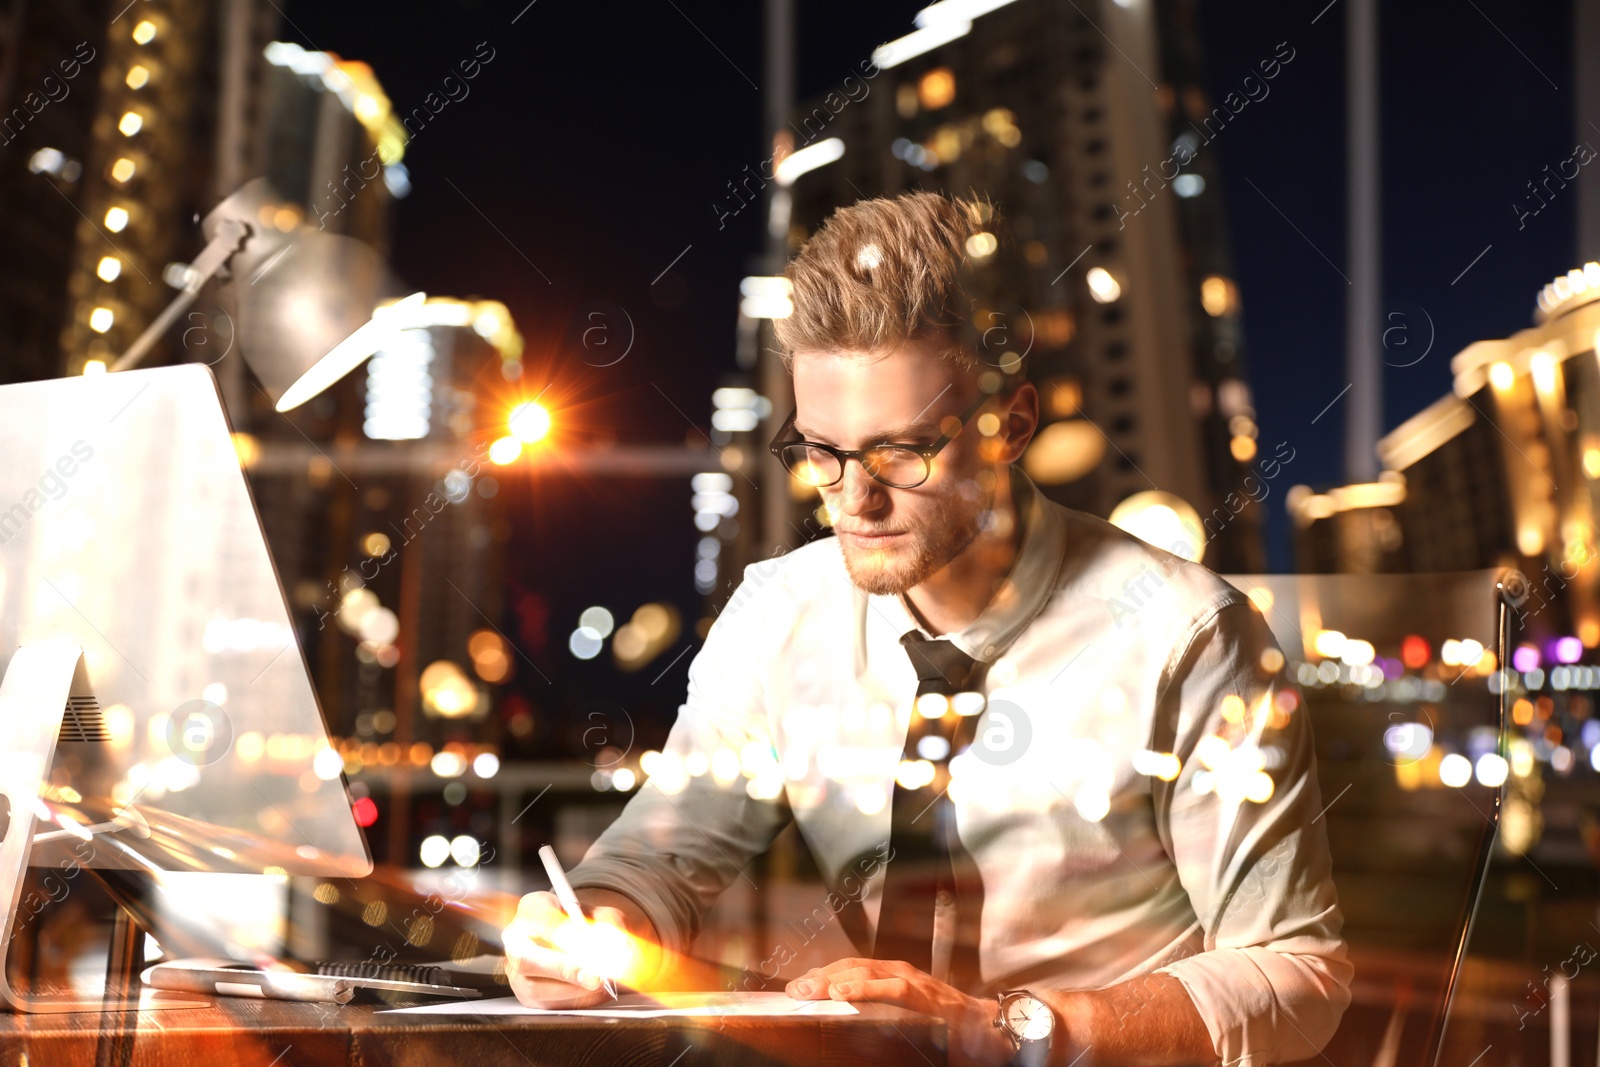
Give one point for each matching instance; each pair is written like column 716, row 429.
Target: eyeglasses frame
column 845, row 455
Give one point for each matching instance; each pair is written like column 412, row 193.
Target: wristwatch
column 1030, row 1024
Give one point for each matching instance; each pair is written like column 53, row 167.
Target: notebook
column 338, row 983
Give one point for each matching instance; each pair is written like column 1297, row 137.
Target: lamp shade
column 296, row 293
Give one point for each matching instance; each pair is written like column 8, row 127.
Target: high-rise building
column 137, row 191
column 331, row 142
column 122, row 125
column 51, row 62
column 1086, row 126
column 1503, row 472
column 167, row 139
column 1457, row 512
column 1356, row 529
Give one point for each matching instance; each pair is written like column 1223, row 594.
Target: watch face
column 1028, row 1018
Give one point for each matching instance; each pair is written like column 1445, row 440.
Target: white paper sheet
column 640, row 1006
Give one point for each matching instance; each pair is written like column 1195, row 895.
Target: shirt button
column 943, row 898
column 988, row 650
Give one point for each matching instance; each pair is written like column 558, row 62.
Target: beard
column 924, row 551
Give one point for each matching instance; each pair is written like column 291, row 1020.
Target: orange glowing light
column 809, row 474
column 1414, row 652
column 529, row 422
column 605, row 950
column 504, row 451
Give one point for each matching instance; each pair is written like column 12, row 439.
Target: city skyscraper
column 1087, row 127
column 52, row 66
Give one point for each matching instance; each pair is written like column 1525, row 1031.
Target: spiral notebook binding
column 388, row 972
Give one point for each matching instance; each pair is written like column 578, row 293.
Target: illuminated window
column 905, row 100
column 1001, row 125
column 122, row 170
column 1063, row 397
column 100, row 319
column 132, row 122
column 47, row 161
column 116, row 219
column 144, row 32
column 1218, row 296
column 110, row 269
column 937, row 88
column 138, row 76
column 1102, row 286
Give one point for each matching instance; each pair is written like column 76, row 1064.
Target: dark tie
column 927, row 855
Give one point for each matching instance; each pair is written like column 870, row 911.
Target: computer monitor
column 156, row 711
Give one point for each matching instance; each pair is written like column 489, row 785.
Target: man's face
column 893, row 539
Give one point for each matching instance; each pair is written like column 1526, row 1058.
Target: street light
column 529, row 422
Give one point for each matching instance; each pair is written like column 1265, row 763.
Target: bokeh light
column 1164, row 520
column 434, row 851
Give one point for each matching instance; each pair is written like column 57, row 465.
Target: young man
column 1035, row 758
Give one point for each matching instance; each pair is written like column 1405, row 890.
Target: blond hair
column 885, row 271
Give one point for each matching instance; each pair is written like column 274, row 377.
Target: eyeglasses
column 899, row 466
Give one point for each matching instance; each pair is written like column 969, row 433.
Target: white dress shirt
column 1145, row 804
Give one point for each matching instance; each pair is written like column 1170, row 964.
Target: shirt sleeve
column 1242, row 823
column 715, row 798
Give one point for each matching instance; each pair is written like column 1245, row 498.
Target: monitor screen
column 127, row 529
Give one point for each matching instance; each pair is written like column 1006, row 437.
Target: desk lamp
column 306, row 301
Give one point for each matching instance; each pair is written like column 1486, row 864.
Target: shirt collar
column 1024, row 592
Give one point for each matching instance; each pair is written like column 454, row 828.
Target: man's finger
column 520, row 933
column 814, row 985
column 848, row 963
column 554, row 994
column 807, row 988
column 851, row 974
column 540, row 910
column 535, row 961
column 880, row 967
column 899, row 991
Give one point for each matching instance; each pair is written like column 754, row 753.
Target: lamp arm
column 229, row 240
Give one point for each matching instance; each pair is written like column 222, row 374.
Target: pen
column 569, row 900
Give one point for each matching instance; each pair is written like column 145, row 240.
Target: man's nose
column 858, row 492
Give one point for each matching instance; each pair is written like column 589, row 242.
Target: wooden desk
column 239, row 1032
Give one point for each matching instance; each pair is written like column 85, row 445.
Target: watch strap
column 1032, row 1054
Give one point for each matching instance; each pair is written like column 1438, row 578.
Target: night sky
column 590, row 150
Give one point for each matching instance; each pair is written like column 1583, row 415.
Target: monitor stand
column 33, row 700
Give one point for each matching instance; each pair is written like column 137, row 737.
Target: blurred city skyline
column 623, row 164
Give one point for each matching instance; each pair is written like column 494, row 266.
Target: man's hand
column 554, row 962
column 974, row 1039
column 1164, row 1028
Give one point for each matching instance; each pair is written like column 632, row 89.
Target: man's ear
column 1019, row 420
